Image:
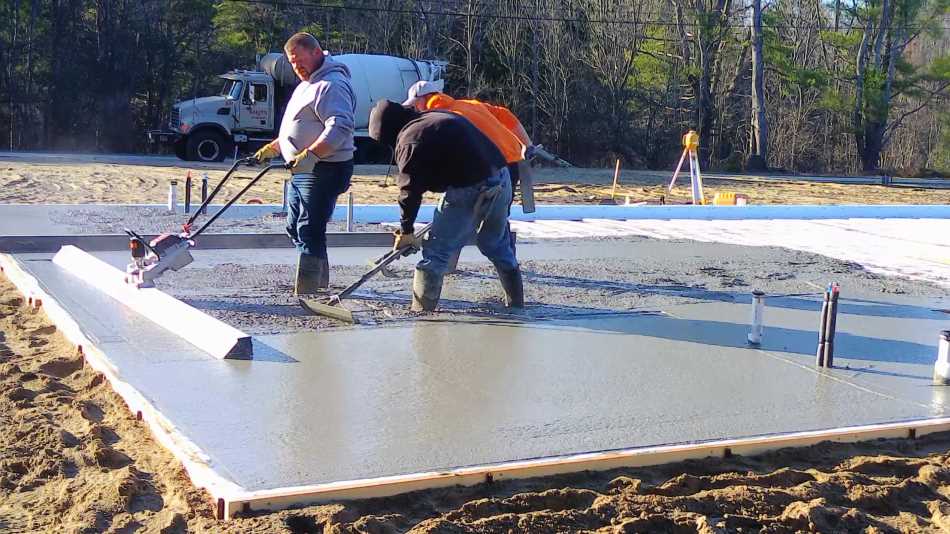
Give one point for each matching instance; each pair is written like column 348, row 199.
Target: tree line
column 818, row 86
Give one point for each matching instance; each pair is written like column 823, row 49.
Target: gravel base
column 658, row 273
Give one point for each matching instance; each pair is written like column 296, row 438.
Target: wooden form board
column 201, row 330
column 280, row 498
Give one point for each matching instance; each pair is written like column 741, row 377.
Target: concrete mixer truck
column 248, row 110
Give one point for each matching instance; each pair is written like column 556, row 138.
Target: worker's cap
column 422, row 88
column 387, row 119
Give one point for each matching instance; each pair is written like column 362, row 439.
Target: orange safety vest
column 496, row 122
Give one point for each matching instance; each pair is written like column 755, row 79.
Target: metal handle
column 227, row 176
column 240, row 193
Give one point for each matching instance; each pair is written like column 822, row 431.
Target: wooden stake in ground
column 613, row 191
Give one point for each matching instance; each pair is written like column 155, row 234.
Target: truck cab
column 247, row 111
column 251, row 96
column 207, row 128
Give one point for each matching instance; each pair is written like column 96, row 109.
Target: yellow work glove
column 267, row 152
column 406, row 241
column 302, row 155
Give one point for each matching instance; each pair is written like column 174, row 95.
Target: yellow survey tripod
column 690, row 149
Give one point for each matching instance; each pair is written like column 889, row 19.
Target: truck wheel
column 207, row 145
column 181, row 149
column 369, row 151
column 381, row 155
column 362, row 147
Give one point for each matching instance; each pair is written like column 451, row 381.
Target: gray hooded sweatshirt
column 324, row 108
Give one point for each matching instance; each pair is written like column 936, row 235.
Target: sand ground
column 51, row 181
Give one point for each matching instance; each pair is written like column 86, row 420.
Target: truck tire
column 369, row 151
column 181, row 149
column 359, row 156
column 207, row 145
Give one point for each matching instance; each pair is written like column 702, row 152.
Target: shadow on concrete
column 777, row 339
column 653, row 323
column 266, row 353
column 870, row 371
column 648, row 323
column 803, row 302
column 852, row 306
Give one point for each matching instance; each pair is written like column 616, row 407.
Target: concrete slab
column 319, row 410
column 436, row 396
column 120, row 332
column 888, row 347
column 323, row 407
column 198, row 328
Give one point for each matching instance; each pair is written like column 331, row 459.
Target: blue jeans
column 311, row 199
column 455, row 221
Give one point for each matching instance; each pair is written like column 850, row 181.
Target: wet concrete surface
column 625, row 343
column 117, row 330
column 252, row 289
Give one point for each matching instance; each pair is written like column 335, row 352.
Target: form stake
column 173, row 196
column 942, row 367
column 349, row 212
column 758, row 309
column 822, row 333
column 830, row 331
column 204, row 192
column 188, row 192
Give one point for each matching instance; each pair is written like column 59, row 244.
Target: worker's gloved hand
column 298, row 159
column 267, row 152
column 530, row 151
column 406, row 241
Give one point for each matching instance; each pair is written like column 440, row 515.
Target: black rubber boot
column 313, row 275
column 514, row 287
column 426, row 289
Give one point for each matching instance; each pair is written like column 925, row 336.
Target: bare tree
column 759, row 138
column 703, row 27
column 614, row 40
column 469, row 40
column 877, row 84
column 422, row 37
column 509, row 37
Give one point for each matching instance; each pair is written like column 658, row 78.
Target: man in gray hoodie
column 316, row 135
